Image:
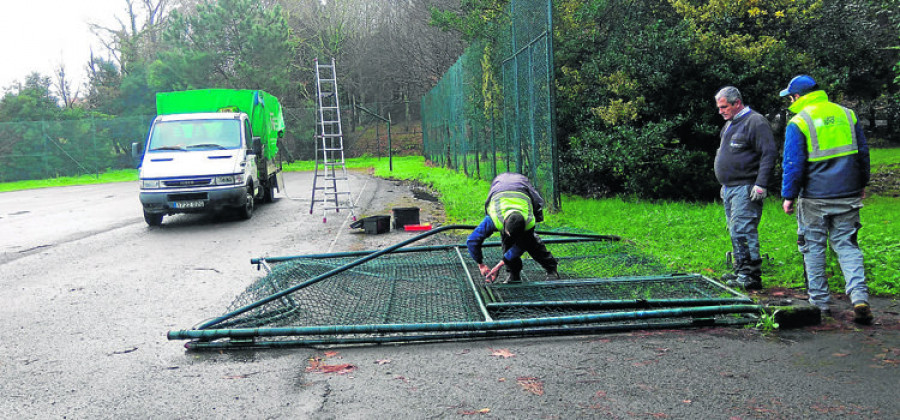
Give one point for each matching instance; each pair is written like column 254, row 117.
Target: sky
column 38, row 35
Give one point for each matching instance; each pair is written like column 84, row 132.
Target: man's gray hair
column 730, row 93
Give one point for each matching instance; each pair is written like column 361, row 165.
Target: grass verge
column 689, row 237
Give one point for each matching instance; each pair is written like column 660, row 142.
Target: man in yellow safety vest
column 513, row 208
column 826, row 170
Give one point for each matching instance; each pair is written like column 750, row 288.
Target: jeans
column 742, row 216
column 534, row 246
column 837, row 220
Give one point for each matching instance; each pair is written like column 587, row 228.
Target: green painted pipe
column 468, row 335
column 579, row 238
column 618, row 303
column 211, row 334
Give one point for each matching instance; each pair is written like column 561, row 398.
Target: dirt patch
column 886, row 181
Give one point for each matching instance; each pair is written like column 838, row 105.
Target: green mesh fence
column 48, row 149
column 493, row 110
column 409, row 293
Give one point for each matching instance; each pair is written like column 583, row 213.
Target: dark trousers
column 532, row 244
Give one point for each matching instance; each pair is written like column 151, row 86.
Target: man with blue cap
column 826, row 170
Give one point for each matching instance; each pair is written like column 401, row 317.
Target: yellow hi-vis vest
column 505, row 203
column 828, row 127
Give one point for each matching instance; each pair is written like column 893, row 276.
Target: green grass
column 883, row 157
column 121, row 175
column 687, row 237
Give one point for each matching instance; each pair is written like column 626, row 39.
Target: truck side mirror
column 256, row 146
column 137, row 153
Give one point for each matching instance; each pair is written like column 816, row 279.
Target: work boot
column 745, row 282
column 862, row 314
column 512, row 278
column 728, row 277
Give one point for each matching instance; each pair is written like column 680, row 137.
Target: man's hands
column 788, row 206
column 757, row 193
column 490, row 274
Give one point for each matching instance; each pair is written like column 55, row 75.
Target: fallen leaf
column 382, row 361
column 600, row 394
column 339, row 369
column 504, row 353
column 331, row 354
column 471, row 412
column 531, row 384
column 316, row 365
column 840, row 354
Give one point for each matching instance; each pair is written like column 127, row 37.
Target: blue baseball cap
column 799, row 85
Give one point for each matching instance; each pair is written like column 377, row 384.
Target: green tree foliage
column 636, row 80
column 239, row 44
column 31, row 101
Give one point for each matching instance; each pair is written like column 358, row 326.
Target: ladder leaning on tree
column 334, row 193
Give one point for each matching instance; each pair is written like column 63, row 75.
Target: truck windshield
column 196, row 134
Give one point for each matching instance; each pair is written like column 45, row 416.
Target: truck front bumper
column 194, row 201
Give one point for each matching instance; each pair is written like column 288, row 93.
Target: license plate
column 193, row 204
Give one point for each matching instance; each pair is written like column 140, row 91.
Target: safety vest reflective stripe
column 816, row 153
column 505, row 202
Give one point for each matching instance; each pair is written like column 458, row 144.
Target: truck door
column 250, row 157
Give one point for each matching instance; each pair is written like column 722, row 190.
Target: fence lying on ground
column 434, row 292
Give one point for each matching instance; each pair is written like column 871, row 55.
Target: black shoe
column 745, row 283
column 862, row 313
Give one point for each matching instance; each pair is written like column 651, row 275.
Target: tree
column 238, row 44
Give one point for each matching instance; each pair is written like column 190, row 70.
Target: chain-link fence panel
column 487, row 115
column 47, row 149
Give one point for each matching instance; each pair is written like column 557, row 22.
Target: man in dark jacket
column 743, row 165
column 826, row 170
column 513, row 208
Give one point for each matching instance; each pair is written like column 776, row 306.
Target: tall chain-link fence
column 489, row 116
column 31, row 150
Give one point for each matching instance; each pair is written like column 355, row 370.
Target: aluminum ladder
column 334, row 191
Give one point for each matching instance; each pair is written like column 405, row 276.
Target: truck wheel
column 153, row 219
column 246, row 212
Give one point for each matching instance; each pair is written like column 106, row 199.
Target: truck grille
column 199, row 182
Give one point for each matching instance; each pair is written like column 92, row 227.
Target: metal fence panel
column 486, row 118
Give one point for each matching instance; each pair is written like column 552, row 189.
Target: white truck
column 209, row 150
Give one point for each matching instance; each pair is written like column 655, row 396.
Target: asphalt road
column 88, row 292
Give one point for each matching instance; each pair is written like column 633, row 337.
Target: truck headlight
column 149, row 183
column 230, row 179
